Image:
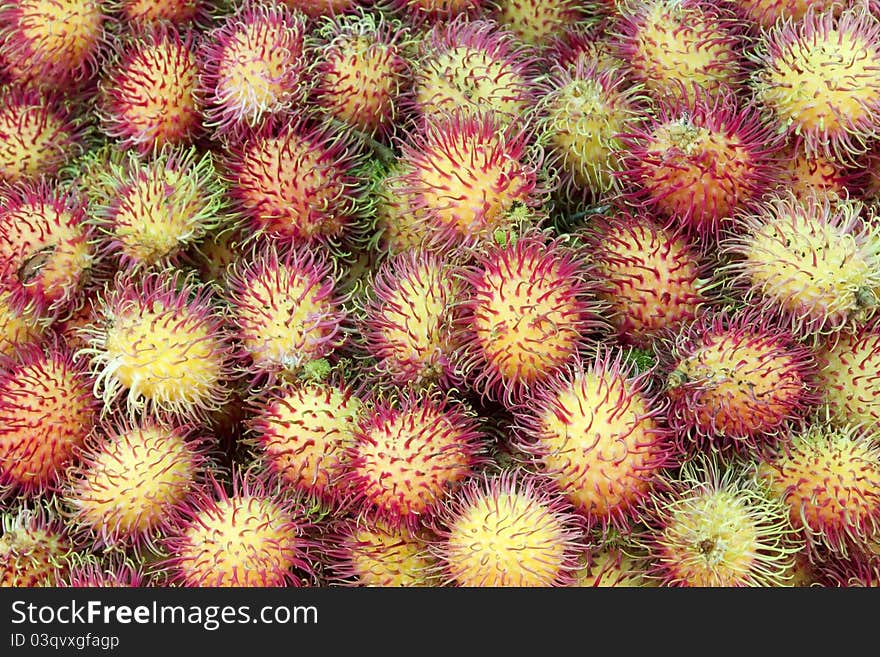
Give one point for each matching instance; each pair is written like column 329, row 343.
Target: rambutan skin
column 529, row 309
column 654, row 279
column 465, row 174
column 407, row 453
column 47, row 411
column 250, row 535
column 598, row 432
column 537, row 23
column 253, row 67
column 811, row 263
column 408, row 322
column 34, row 546
column 363, row 71
column 160, row 345
column 297, row 183
column 507, row 530
column 284, row 306
column 149, row 95
column 39, row 133
column 736, row 380
column 697, row 162
column 829, row 480
column 818, row 80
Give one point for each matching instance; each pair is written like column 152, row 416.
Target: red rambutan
column 653, row 278
column 408, row 453
column 18, row 327
column 435, row 12
column 828, row 478
column 39, row 133
column 284, row 307
column 303, row 431
column 46, row 247
column 253, row 66
column 296, row 184
column 114, row 570
column 529, row 310
column 128, row 480
column 698, row 162
column 467, row 176
column 149, row 93
column 507, row 530
column 46, row 412
column 51, row 43
column 736, row 380
column 408, row 323
column 537, row 22
column 598, row 433
column 249, row 536
column 34, row 547
column 177, row 12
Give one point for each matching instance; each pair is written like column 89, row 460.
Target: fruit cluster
column 439, row 293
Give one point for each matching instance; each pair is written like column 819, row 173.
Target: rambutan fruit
column 409, row 452
column 46, row 412
column 653, row 278
column 609, row 563
column 811, row 262
column 46, row 247
column 408, row 322
column 284, row 307
column 598, row 433
column 177, row 12
column 160, row 344
column 251, row 535
column 473, row 66
column 213, row 254
column 736, row 380
column 153, row 210
column 34, row 547
column 507, row 530
column 697, row 162
column 537, row 22
column 51, row 43
column 856, row 569
column 129, row 478
column 818, row 81
column 18, row 327
column 530, row 308
column 582, row 111
column 253, row 67
column 828, row 478
column 466, row 175
column 579, row 43
column 39, row 134
column 148, row 95
column 675, row 48
column 302, row 432
column 714, row 524
column 376, row 554
column 849, row 375
column 297, row 183
column 362, row 72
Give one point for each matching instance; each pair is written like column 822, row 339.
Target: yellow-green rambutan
column 34, row 546
column 714, row 523
column 818, row 80
column 160, row 344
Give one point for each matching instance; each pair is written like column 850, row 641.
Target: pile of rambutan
column 439, row 293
